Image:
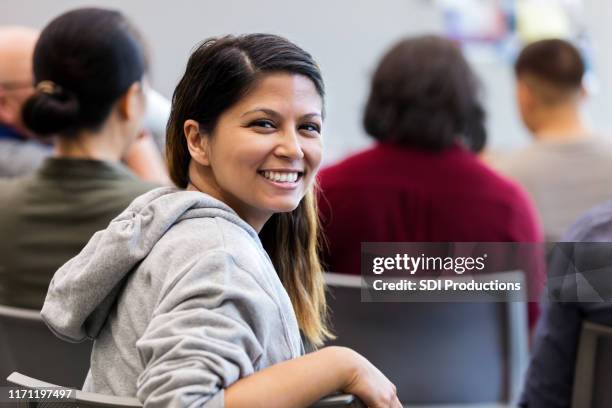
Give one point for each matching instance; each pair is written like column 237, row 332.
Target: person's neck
column 562, row 125
column 106, row 145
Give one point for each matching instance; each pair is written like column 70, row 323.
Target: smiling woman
column 216, row 281
column 265, row 149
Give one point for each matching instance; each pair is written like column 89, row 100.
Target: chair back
column 27, row 345
column 78, row 399
column 593, row 374
column 436, row 352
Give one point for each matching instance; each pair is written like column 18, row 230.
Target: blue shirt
column 9, row 133
column 550, row 376
column 19, row 155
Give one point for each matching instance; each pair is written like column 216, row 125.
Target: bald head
column 16, row 49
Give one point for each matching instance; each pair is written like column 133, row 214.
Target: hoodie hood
column 83, row 291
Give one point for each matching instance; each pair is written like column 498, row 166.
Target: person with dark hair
column 423, row 95
column 197, row 297
column 568, row 167
column 21, row 151
column 89, row 72
column 421, row 182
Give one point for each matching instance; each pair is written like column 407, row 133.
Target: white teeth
column 279, row 177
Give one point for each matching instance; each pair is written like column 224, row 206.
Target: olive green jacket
column 46, row 218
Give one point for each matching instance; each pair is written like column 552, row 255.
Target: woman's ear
column 197, row 142
column 131, row 104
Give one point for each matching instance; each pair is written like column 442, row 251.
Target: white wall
column 346, row 37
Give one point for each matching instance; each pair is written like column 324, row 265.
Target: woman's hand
column 368, row 383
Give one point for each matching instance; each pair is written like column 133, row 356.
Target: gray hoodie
column 181, row 299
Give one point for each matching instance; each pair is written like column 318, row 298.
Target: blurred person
column 93, row 105
column 144, row 158
column 19, row 152
column 567, row 169
column 156, row 117
column 550, row 378
column 198, row 295
column 422, row 181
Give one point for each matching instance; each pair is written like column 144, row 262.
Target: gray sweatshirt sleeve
column 203, row 335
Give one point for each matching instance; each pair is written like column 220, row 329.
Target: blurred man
column 567, row 169
column 19, row 154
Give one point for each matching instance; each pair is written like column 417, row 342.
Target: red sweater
column 396, row 194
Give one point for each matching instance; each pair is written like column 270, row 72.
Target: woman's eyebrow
column 274, row 113
column 263, row 110
column 312, row 115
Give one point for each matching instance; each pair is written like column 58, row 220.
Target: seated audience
column 421, row 182
column 550, row 377
column 93, row 107
column 182, row 297
column 567, row 169
column 19, row 152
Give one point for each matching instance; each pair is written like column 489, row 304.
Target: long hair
column 292, row 241
column 219, row 72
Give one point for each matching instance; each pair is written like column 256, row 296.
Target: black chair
column 28, row 346
column 436, row 353
column 593, row 374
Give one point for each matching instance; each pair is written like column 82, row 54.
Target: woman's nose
column 289, row 145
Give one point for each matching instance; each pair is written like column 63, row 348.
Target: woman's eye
column 311, row 127
column 263, row 123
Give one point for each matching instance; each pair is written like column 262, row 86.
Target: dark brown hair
column 425, row 95
column 91, row 56
column 219, row 72
column 555, row 61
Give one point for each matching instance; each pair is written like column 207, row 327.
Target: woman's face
column 265, row 150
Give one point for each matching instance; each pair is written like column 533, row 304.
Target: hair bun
column 50, row 110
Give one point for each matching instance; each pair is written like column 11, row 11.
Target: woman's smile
column 284, row 179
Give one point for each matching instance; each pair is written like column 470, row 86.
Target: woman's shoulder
column 206, row 257
column 172, row 230
column 192, row 240
column 201, row 234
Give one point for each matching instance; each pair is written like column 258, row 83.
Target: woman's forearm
column 295, row 383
